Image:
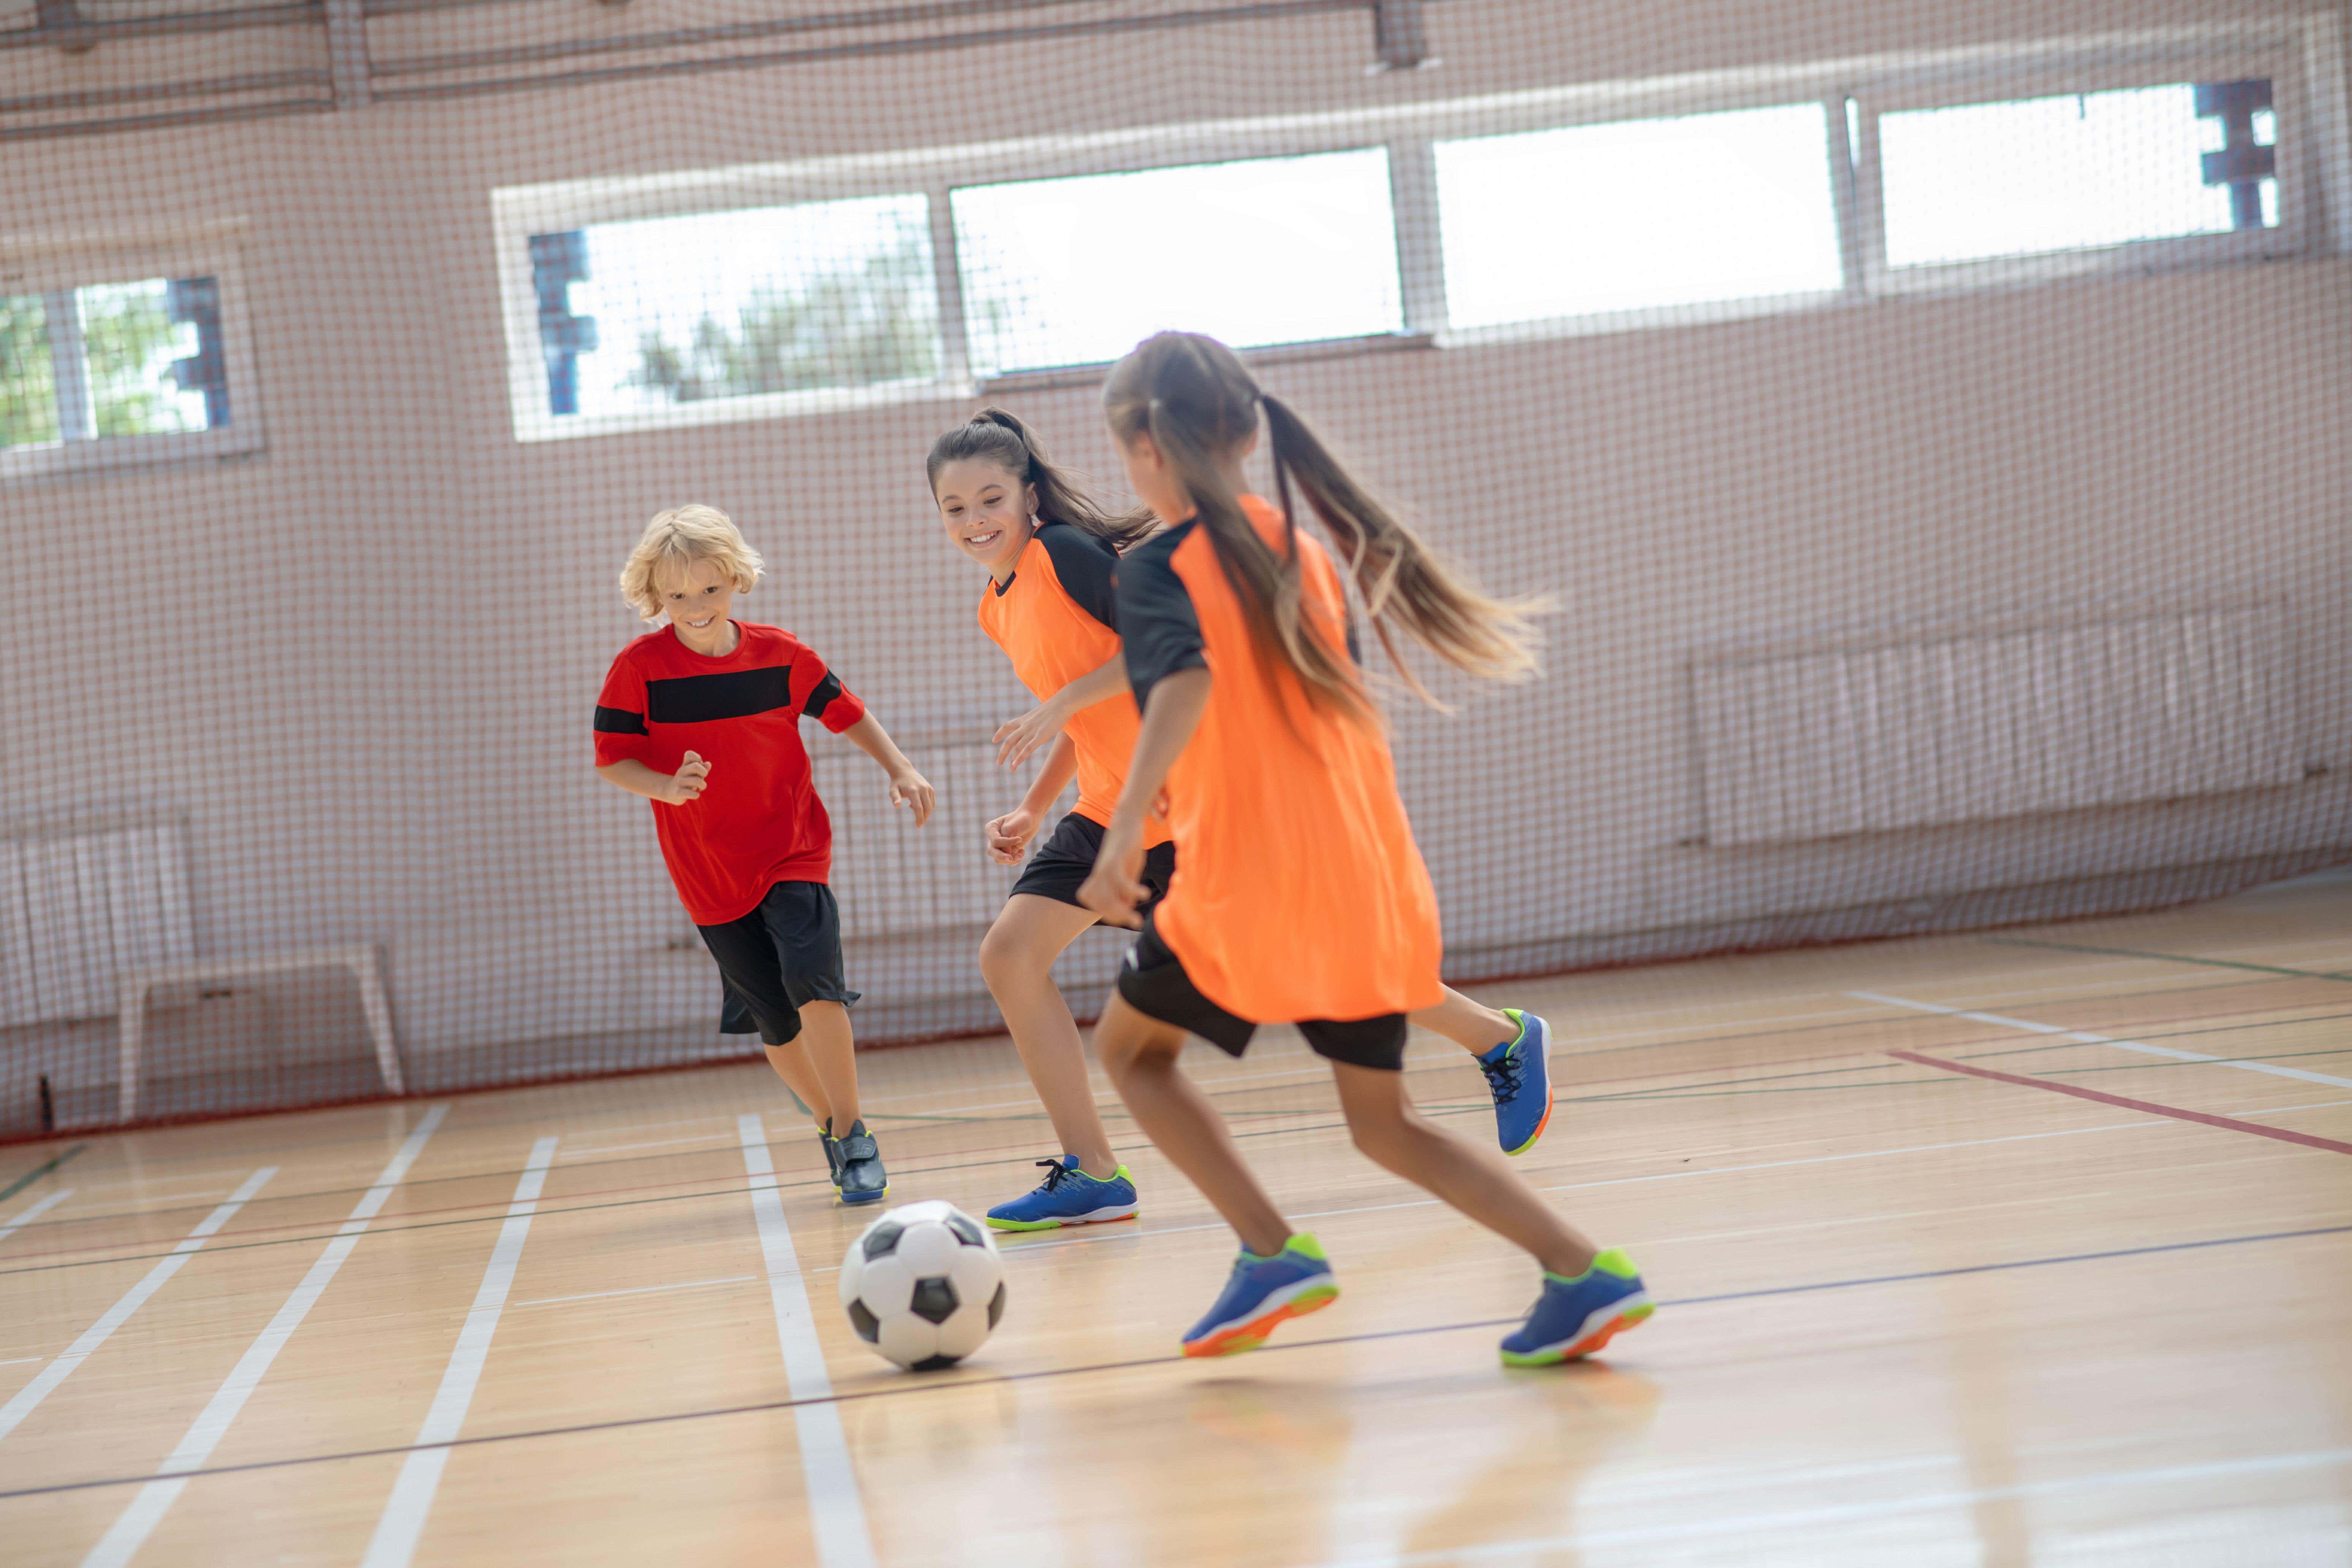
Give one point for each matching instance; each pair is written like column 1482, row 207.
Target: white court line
column 146, row 1509
column 2274, row 1110
column 402, row 1522
column 32, row 1212
column 632, row 1291
column 57, row 1371
column 836, row 1511
column 2086, row 1037
column 1813, row 1519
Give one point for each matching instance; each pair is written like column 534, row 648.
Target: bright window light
column 1638, row 215
column 29, row 399
column 1271, row 250
column 2050, row 174
column 657, row 312
column 134, row 342
column 107, row 359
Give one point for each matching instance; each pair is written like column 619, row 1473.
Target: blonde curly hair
column 678, row 539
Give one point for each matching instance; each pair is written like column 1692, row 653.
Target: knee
column 1004, row 959
column 1126, row 1053
column 1380, row 1136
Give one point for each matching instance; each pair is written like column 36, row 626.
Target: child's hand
column 1114, row 889
column 687, row 781
column 913, row 790
column 1009, row 835
column 1017, row 740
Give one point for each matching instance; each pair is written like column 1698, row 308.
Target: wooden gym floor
column 2062, row 1278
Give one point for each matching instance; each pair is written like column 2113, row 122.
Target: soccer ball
column 923, row 1285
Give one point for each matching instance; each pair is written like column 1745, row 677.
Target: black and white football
column 923, row 1285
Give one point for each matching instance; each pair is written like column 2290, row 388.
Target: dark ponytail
column 1062, row 496
column 1197, row 403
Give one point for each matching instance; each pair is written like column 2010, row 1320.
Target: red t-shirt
column 757, row 820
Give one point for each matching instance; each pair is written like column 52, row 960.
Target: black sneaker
column 831, row 1154
column 859, row 1178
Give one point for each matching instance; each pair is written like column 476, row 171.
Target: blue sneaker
column 1576, row 1317
column 1519, row 1073
column 1263, row 1293
column 1067, row 1196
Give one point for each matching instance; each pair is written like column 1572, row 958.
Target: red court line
column 2231, row 1122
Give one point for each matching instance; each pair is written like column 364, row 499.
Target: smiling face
column 987, row 511
column 697, row 600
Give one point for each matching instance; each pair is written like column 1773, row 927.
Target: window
column 1270, row 251
column 100, row 371
column 910, row 273
column 659, row 312
column 1638, row 215
column 2083, row 172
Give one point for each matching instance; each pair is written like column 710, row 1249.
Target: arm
column 1171, row 715
column 1017, row 740
column 1009, row 835
column 669, row 789
column 908, row 787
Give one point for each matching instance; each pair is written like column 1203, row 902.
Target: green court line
column 734, row 1191
column 2169, row 958
column 38, row 1172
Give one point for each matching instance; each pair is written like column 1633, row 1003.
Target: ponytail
column 1192, row 397
column 1062, row 495
column 1402, row 580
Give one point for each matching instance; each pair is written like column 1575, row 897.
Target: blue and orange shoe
column 1574, row 1318
column 1067, row 1196
column 1518, row 1071
column 1262, row 1294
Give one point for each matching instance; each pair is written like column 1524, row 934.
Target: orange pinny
column 1053, row 619
column 1298, row 893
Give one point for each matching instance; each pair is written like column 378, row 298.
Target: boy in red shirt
column 702, row 718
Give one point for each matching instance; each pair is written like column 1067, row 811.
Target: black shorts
column 1154, row 984
column 780, row 958
column 1062, row 864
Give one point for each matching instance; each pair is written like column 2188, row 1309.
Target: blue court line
column 904, row 1390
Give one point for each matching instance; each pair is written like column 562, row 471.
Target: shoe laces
column 1056, row 1174
column 1503, row 1076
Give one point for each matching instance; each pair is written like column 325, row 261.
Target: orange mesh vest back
column 1052, row 640
column 1298, row 891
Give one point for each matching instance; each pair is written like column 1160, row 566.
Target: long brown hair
column 1192, row 397
column 1062, row 496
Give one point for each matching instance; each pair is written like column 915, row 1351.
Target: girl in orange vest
column 1051, row 552
column 1299, row 894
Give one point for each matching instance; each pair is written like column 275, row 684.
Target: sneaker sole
column 1248, row 1336
column 1098, row 1217
column 1551, row 1098
column 1588, row 1343
column 854, row 1200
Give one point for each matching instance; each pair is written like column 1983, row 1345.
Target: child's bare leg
column 833, row 1054
column 791, row 1064
column 1474, row 1028
column 1476, row 1180
column 1139, row 1055
column 1017, row 959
